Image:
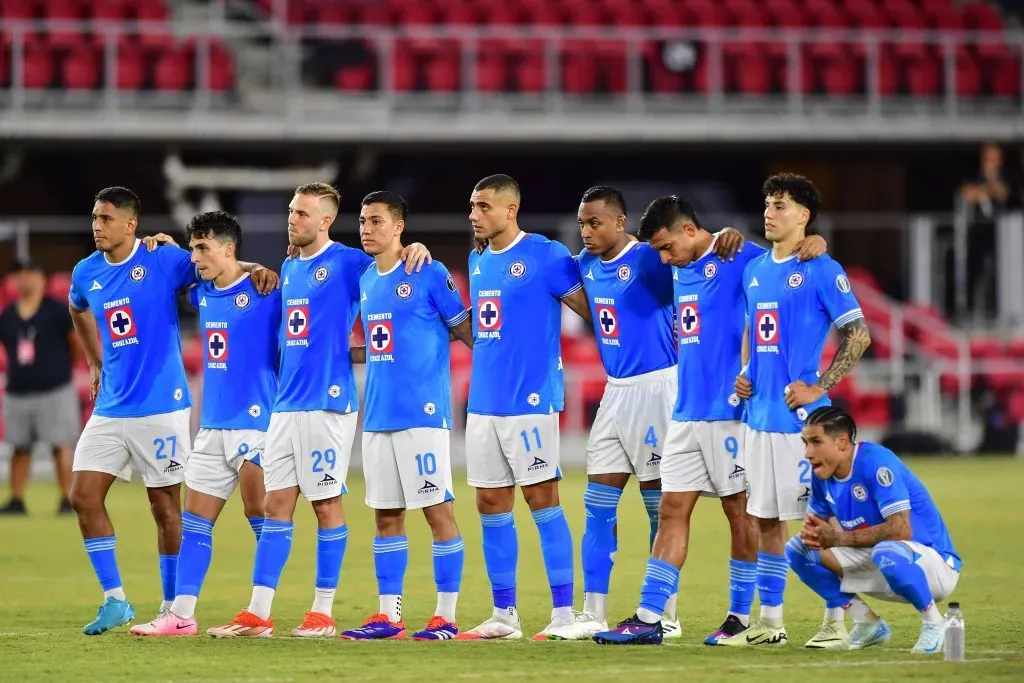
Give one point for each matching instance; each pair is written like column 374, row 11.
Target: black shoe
column 15, row 507
column 730, row 627
column 65, row 507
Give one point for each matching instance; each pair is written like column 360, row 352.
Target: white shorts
column 310, row 449
column 217, row 457
column 408, row 469
column 778, row 475
column 860, row 575
column 510, row 450
column 628, row 435
column 704, row 456
column 156, row 446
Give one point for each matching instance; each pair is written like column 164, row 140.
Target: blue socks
column 390, row 559
column 806, row 564
column 771, row 579
column 257, row 526
column 556, row 546
column 599, row 539
column 660, row 583
column 104, row 563
column 272, row 552
column 652, row 499
column 449, row 557
column 896, row 562
column 168, row 575
column 195, row 554
column 501, row 555
column 330, row 551
column 742, row 581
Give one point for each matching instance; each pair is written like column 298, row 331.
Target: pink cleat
column 166, row 624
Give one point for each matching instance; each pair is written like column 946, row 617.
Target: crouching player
column 871, row 528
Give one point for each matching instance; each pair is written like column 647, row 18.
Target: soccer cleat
column 166, row 624
column 245, row 625
column 557, row 625
column 931, row 639
column 111, row 614
column 831, row 636
column 868, row 633
column 503, row 625
column 376, row 627
column 583, row 627
column 730, row 627
column 315, row 625
column 757, row 634
column 632, row 631
column 438, row 628
column 671, row 629
column 14, row 507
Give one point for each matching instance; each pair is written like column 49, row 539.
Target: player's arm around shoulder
column 448, row 302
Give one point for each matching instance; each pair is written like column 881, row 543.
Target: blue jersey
column 406, row 320
column 791, row 306
column 517, row 358
column 630, row 300
column 135, row 304
column 709, row 294
column 879, row 486
column 239, row 327
column 320, row 296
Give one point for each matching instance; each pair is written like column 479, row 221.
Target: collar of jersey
column 516, row 241
column 130, row 256
column 321, row 250
column 853, row 461
column 629, row 245
column 390, row 270
column 231, row 286
column 788, row 258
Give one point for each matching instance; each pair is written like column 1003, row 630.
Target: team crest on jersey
column 710, row 269
column 533, row 399
column 860, row 493
column 403, row 290
column 801, row 413
column 624, row 272
column 178, row 393
column 334, row 391
column 241, row 300
column 121, row 323
column 734, row 400
column 768, row 327
column 255, row 410
column 689, row 320
column 429, row 408
column 488, row 314
column 216, row 349
column 842, row 284
column 884, row 476
column 138, row 272
column 795, row 280
column 321, row 273
column 297, row 322
column 381, row 337
column 517, row 269
column 608, row 322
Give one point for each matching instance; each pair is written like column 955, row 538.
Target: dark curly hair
column 799, row 188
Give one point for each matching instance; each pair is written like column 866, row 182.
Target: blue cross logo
column 217, row 345
column 121, row 322
column 767, row 327
column 607, row 321
column 488, row 313
column 380, row 337
column 689, row 319
column 297, row 322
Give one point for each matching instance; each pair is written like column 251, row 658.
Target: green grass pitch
column 48, row 592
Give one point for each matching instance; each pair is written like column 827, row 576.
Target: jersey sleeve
column 445, row 296
column 835, row 294
column 358, row 262
column 562, row 272
column 817, row 505
column 178, row 266
column 76, row 297
column 193, row 297
column 888, row 489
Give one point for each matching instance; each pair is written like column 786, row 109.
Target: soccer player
column 791, row 306
column 516, row 391
column 141, row 416
column 407, row 320
column 313, row 422
column 239, row 328
column 702, row 447
column 871, row 528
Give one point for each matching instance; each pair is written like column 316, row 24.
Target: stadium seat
column 442, row 72
column 63, row 10
column 37, row 67
column 924, row 78
column 530, row 74
column 81, row 69
column 981, row 16
column 107, row 10
column 172, row 71
column 355, row 78
column 491, row 74
column 131, row 67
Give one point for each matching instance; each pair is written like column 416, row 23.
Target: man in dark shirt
column 41, row 403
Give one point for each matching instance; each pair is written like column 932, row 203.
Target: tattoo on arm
column 896, row 527
column 855, row 341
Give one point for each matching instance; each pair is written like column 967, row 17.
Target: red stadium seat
column 579, row 70
column 752, row 75
column 172, row 71
column 841, row 76
column 981, row 16
column 81, row 69
column 924, row 78
column 442, row 72
column 357, row 78
column 529, row 74
column 968, row 77
column 1003, row 76
column 491, row 74
column 131, row 67
column 63, row 10
column 37, row 67
column 108, row 10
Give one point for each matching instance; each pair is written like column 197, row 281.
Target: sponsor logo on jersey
column 429, row 408
column 381, row 340
column 296, row 326
column 450, row 284
column 334, row 391
column 842, row 284
column 766, row 331
column 488, row 317
column 121, row 323
column 689, row 323
column 538, row 463
column 217, row 349
column 427, row 488
column 884, row 476
column 608, row 324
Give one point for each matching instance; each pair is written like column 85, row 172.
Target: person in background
column 41, row 404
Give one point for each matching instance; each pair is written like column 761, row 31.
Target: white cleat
column 832, row 636
column 557, row 625
column 583, row 627
column 757, row 634
column 503, row 625
column 672, row 628
column 931, row 639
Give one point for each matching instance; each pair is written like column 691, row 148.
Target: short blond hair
column 321, row 191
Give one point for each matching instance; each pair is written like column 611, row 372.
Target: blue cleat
column 438, row 628
column 632, row 631
column 111, row 614
column 869, row 633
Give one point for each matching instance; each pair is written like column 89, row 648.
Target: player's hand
column 264, row 279
column 744, row 387
column 800, row 394
column 810, row 248
column 94, row 381
column 293, row 251
column 414, row 256
column 154, row 241
column 729, row 243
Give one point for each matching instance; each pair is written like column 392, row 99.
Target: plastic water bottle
column 954, row 647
